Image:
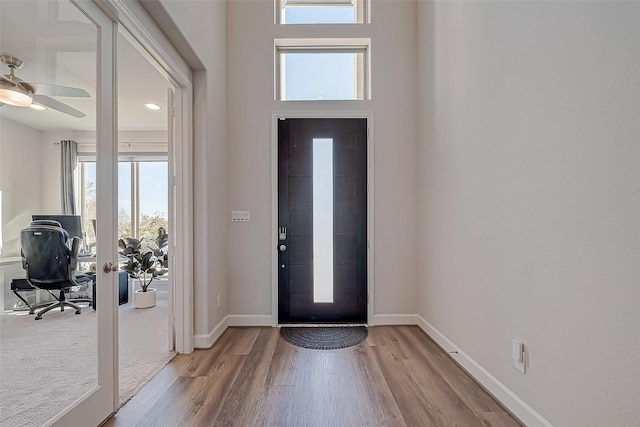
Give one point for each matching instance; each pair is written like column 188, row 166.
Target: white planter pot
column 145, row 299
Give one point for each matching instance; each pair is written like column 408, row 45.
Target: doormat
column 321, row 338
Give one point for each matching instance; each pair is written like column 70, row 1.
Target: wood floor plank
column 243, row 340
column 209, row 400
column 275, row 407
column 473, row 394
column 283, row 367
column 181, row 395
column 251, row 377
column 412, row 404
column 138, row 405
column 249, row 384
column 205, row 360
column 386, row 336
column 374, row 387
column 330, row 390
column 445, row 407
column 496, row 419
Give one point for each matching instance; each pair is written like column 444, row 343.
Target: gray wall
column 529, row 153
column 202, row 25
column 251, row 33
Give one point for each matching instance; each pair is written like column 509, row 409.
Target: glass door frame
column 101, row 401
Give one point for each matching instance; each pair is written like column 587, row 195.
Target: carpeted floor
column 46, row 365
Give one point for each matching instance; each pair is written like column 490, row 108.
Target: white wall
column 251, row 33
column 529, row 154
column 21, row 179
column 202, row 24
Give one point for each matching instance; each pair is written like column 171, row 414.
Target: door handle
column 282, row 231
column 109, row 267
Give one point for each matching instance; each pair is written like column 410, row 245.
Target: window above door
column 322, row 69
column 322, row 11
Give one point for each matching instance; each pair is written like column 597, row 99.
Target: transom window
column 321, row 11
column 311, row 70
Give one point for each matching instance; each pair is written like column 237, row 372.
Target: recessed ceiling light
column 152, row 106
column 37, row 107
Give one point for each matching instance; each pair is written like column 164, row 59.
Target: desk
column 10, row 260
column 10, row 268
column 87, row 258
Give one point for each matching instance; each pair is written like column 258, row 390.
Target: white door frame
column 170, row 63
column 275, row 116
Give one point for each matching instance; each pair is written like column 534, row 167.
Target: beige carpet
column 46, row 365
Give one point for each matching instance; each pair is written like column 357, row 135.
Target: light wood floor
column 251, row 377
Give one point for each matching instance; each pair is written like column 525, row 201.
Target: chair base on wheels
column 62, row 302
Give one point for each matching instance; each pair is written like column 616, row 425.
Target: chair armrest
column 75, row 246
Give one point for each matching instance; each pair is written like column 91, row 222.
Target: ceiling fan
column 14, row 91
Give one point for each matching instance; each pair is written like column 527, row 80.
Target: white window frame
column 362, row 69
column 362, row 9
column 134, row 160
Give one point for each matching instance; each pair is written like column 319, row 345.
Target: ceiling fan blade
column 3, row 77
column 57, row 105
column 57, row 90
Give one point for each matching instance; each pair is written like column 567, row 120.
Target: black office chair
column 51, row 265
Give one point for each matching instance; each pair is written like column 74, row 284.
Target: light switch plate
column 518, row 354
column 240, row 216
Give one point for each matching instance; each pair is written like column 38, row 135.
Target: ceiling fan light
column 14, row 95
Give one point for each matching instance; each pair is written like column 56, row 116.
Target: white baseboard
column 206, row 341
column 393, row 319
column 509, row 399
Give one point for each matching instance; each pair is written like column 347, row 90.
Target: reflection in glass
column 322, row 220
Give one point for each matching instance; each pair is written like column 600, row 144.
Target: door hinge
column 172, row 320
column 368, row 244
column 173, row 181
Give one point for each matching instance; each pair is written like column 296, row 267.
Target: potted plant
column 144, row 264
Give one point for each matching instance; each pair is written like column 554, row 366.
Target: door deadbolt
column 283, row 248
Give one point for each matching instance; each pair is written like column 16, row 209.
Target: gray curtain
column 68, row 164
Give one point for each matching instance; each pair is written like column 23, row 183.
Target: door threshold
column 321, row 325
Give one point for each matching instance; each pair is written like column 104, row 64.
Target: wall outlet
column 518, row 354
column 240, row 216
column 219, row 304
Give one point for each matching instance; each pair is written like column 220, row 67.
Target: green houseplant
column 145, row 262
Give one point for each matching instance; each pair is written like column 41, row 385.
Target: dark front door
column 322, row 214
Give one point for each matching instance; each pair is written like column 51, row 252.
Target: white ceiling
column 58, row 46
